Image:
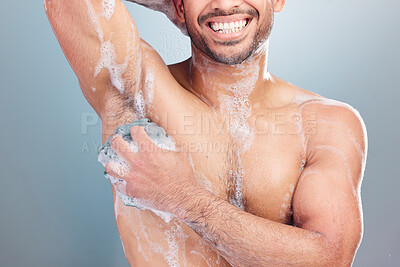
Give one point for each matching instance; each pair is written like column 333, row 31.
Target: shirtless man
column 283, row 188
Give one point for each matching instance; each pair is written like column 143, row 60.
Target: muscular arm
column 244, row 239
column 122, row 77
column 326, row 206
column 102, row 45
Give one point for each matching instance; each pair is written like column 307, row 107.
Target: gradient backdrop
column 55, row 205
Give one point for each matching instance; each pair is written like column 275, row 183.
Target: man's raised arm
column 102, row 45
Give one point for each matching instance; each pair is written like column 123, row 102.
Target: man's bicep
column 325, row 203
column 327, row 198
column 101, row 43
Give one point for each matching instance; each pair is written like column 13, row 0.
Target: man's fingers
column 121, row 147
column 142, row 140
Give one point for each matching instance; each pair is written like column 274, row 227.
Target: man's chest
column 253, row 163
column 256, row 170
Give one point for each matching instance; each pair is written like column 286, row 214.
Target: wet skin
column 299, row 156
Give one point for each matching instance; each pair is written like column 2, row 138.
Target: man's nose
column 225, row 4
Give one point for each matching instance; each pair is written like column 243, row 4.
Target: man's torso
column 258, row 171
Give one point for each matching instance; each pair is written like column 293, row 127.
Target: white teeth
column 230, row 27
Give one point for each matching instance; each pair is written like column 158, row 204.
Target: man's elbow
column 340, row 255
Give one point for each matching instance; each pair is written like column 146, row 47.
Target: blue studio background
column 55, row 205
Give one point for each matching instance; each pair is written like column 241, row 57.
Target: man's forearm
column 248, row 240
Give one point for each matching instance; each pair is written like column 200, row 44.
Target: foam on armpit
column 106, row 155
column 144, row 97
column 139, row 105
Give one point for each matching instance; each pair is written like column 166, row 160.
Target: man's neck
column 213, row 81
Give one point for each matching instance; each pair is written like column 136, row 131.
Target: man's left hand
column 162, row 179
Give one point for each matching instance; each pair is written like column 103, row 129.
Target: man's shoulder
column 326, row 108
column 332, row 123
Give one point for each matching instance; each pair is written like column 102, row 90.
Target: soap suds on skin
column 155, row 247
column 200, row 177
column 149, row 85
column 108, row 61
column 239, row 108
column 108, row 7
column 144, row 100
column 349, row 133
column 206, row 250
column 107, row 51
column 236, row 104
column 174, row 236
column 139, row 105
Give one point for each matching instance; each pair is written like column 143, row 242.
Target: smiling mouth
column 229, row 27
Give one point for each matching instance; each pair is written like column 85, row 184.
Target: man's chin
column 229, row 58
column 231, row 52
